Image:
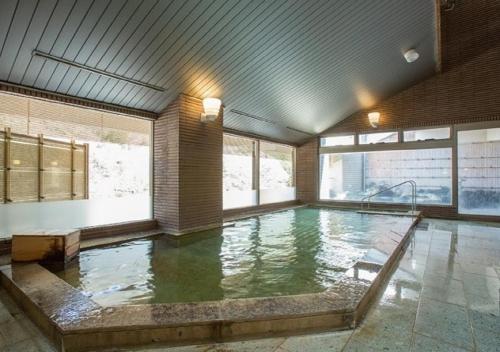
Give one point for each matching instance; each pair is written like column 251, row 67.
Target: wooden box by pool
column 48, row 246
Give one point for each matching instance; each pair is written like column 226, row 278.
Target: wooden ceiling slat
column 305, row 65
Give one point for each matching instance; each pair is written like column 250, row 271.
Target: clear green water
column 297, row 251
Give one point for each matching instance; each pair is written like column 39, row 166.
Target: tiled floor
column 444, row 296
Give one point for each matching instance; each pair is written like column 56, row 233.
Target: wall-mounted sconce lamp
column 374, row 118
column 212, row 108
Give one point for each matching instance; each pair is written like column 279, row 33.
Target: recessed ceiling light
column 411, row 55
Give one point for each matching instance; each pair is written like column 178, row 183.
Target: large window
column 276, row 173
column 244, row 185
column 118, row 165
column 479, row 171
column 238, row 172
column 352, row 176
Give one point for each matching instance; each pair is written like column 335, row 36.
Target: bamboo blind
column 34, row 116
column 37, row 169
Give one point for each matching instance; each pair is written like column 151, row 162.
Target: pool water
column 297, row 251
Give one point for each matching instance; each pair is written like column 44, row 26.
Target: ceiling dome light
column 212, row 108
column 411, row 55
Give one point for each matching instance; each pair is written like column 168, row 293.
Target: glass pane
column 337, row 140
column 479, row 172
column 238, row 183
column 352, row 176
column 428, row 134
column 381, row 137
column 276, row 173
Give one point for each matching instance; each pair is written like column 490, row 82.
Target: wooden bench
column 47, row 246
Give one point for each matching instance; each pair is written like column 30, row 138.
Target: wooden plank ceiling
column 284, row 69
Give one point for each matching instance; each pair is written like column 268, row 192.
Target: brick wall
column 307, row 171
column 187, row 168
column 165, row 167
column 466, row 91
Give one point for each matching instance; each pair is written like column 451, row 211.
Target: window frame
column 450, row 134
column 397, row 132
column 401, row 148
column 256, row 168
column 402, row 145
column 354, row 137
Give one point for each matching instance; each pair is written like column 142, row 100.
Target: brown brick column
column 307, row 171
column 187, row 168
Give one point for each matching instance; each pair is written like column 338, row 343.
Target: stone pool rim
column 74, row 322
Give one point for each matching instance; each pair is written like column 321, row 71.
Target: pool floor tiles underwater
column 443, row 296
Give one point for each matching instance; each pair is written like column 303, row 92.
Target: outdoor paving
column 444, row 296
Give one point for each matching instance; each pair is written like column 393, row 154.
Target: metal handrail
column 413, row 195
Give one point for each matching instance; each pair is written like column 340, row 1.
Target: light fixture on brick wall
column 374, row 118
column 212, row 108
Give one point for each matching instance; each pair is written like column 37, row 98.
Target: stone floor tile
column 484, row 322
column 193, row 348
column 22, row 346
column 483, row 286
column 478, row 269
column 443, row 268
column 43, row 344
column 376, row 343
column 3, row 343
column 424, row 343
column 485, row 256
column 333, row 342
column 444, row 289
column 5, row 315
column 480, row 304
column 444, row 321
column 384, row 329
column 27, row 325
column 13, row 332
column 262, row 345
column 8, row 303
column 487, row 341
